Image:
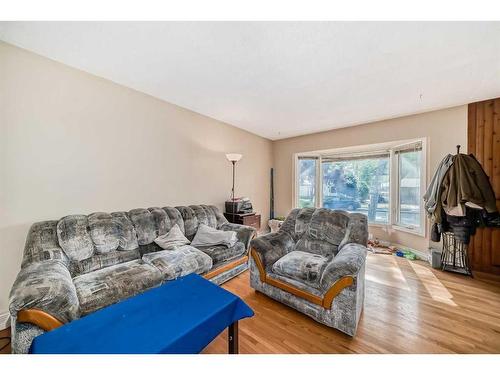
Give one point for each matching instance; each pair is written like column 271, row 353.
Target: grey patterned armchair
column 315, row 263
column 79, row 264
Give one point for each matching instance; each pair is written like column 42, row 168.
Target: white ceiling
column 282, row 79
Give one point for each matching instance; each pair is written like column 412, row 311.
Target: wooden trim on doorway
column 325, row 301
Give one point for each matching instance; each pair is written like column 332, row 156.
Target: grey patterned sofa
column 79, row 264
column 315, row 263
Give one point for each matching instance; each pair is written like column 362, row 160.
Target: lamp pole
column 232, row 193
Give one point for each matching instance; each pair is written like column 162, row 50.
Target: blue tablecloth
column 182, row 316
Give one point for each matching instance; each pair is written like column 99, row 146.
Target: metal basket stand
column 454, row 257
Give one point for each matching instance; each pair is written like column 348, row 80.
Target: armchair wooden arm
column 39, row 318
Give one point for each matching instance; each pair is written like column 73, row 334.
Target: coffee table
column 179, row 317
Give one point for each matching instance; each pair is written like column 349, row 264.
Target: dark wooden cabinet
column 252, row 219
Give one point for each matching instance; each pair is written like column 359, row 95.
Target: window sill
column 378, row 225
column 399, row 228
column 418, row 232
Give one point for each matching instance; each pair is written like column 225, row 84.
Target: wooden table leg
column 232, row 338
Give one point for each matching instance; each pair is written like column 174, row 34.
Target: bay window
column 384, row 182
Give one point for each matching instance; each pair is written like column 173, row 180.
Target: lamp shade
column 234, row 157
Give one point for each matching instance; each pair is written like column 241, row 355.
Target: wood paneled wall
column 483, row 138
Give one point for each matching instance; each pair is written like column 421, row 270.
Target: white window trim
column 393, row 180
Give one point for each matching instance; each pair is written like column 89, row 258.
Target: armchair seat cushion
column 301, row 266
column 110, row 285
column 222, row 253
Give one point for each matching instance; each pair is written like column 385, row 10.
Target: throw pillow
column 208, row 236
column 173, row 239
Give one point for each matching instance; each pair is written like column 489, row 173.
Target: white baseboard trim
column 4, row 320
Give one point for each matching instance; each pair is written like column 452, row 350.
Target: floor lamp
column 233, row 158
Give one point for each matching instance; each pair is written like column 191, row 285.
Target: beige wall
column 443, row 129
column 74, row 143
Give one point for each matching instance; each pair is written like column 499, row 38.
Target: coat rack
column 455, row 253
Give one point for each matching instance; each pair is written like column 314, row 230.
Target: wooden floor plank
column 409, row 308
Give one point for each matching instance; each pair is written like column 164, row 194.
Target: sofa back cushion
column 175, row 217
column 74, row 237
column 127, row 234
column 327, row 225
column 104, row 232
column 317, row 231
column 193, row 216
column 144, row 225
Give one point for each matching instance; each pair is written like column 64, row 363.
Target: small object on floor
column 379, row 247
column 379, row 250
column 436, row 258
column 399, row 253
column 409, row 255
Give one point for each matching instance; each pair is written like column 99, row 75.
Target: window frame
column 296, row 190
column 391, row 148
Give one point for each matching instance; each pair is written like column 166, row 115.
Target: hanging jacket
column 433, row 193
column 466, row 183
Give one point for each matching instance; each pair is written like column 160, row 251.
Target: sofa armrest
column 245, row 233
column 348, row 262
column 272, row 246
column 45, row 286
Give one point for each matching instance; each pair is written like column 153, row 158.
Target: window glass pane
column 409, row 188
column 358, row 185
column 307, row 182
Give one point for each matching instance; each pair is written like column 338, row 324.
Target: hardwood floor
column 409, row 308
column 4, row 333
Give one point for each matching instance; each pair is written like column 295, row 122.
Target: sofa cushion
column 320, row 231
column 127, row 233
column 301, row 266
column 110, row 285
column 104, row 231
column 175, row 217
column 190, row 221
column 98, row 261
column 207, row 236
column 327, row 225
column 74, row 237
column 174, row 238
column 193, row 216
column 161, row 220
column 179, row 262
column 144, row 225
column 313, row 246
column 222, row 253
column 303, row 220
